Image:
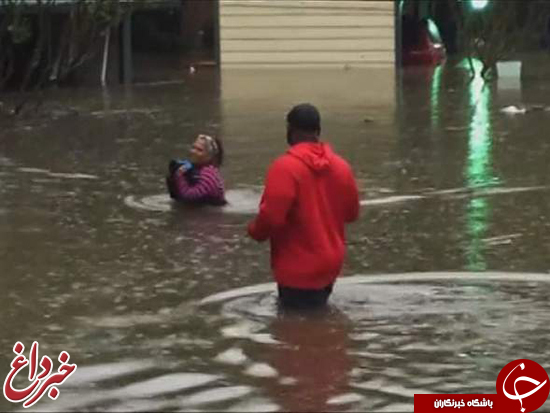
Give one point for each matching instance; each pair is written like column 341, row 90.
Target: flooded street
column 167, row 308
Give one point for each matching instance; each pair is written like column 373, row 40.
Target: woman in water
column 198, row 180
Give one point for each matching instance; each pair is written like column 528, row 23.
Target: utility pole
column 126, row 60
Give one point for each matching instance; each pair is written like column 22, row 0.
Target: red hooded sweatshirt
column 310, row 193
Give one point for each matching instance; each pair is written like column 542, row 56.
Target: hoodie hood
column 316, row 156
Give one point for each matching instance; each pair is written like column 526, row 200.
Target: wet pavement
column 445, row 281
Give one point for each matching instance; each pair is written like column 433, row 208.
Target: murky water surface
column 166, row 308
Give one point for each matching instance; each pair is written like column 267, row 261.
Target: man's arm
column 353, row 207
column 277, row 199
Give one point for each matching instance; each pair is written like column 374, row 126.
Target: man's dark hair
column 304, row 117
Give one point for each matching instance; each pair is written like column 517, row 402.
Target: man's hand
column 254, row 233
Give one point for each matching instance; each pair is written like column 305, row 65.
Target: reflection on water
column 479, row 172
column 480, row 137
column 383, row 339
column 312, row 359
column 435, row 96
column 96, row 260
column 300, row 361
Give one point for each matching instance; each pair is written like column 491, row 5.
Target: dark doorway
column 171, row 38
column 200, row 19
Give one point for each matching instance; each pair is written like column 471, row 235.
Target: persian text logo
column 511, row 384
column 43, row 382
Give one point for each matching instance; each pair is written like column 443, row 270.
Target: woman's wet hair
column 214, row 147
column 218, row 157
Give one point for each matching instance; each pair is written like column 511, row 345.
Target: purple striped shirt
column 209, row 187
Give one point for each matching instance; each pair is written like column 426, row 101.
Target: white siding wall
column 306, row 33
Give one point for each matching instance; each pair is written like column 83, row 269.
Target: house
column 245, row 34
column 307, row 33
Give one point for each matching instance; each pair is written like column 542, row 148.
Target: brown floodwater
column 166, row 308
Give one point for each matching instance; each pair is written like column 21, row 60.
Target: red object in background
column 421, row 42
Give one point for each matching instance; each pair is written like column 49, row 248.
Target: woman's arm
column 208, row 186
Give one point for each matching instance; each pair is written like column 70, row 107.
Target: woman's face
column 199, row 153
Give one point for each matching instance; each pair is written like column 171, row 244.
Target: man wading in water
column 310, row 194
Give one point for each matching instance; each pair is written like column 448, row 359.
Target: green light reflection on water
column 435, row 96
column 479, row 171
